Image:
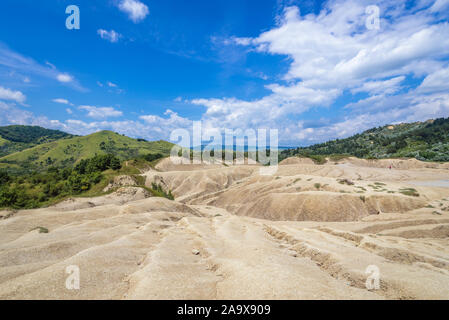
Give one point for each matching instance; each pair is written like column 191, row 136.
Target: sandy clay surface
column 307, row 232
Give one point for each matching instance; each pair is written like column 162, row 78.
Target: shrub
column 409, row 192
column 158, row 191
column 318, row 159
column 98, row 163
column 150, row 157
column 4, row 177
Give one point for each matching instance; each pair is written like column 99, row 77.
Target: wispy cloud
column 62, row 101
column 135, row 9
column 14, row 61
column 101, row 112
column 110, row 36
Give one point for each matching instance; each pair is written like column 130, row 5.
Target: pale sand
column 233, row 234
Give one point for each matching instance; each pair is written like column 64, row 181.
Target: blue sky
column 314, row 70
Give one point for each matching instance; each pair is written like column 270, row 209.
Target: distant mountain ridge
column 426, row 141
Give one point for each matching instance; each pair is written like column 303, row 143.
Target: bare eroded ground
column 307, row 232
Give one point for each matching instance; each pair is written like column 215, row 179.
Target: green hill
column 69, row 151
column 426, row 141
column 17, row 138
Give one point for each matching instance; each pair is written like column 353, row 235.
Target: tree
column 4, row 177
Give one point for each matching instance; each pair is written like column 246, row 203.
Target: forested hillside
column 426, row 141
column 67, row 152
column 17, row 138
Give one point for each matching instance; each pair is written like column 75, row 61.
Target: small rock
column 195, row 252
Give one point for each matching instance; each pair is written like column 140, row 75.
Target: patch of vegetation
column 17, row 138
column 41, row 229
column 338, row 157
column 87, row 179
column 363, row 198
column 425, row 141
column 68, row 152
column 317, row 159
column 30, row 134
column 409, row 192
column 317, row 185
column 345, row 181
column 44, row 188
column 158, row 191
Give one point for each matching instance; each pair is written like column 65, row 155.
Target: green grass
column 409, row 192
column 338, row 157
column 41, row 229
column 67, row 152
column 425, row 141
column 3, row 141
column 44, row 189
column 345, row 181
column 318, row 159
column 16, row 138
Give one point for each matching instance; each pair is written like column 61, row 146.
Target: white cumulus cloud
column 135, row 9
column 8, row 94
column 64, row 77
column 333, row 53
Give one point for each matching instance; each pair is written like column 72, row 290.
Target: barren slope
column 233, row 234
